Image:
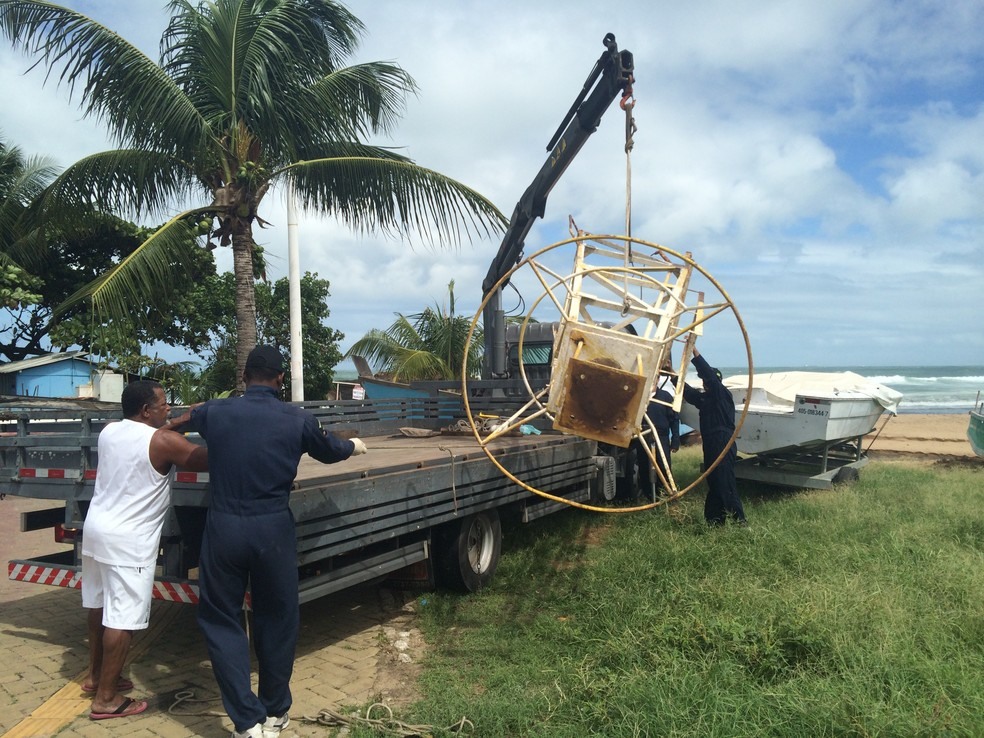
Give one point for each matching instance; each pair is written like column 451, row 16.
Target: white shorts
column 123, row 593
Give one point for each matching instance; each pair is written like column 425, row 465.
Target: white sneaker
column 255, row 732
column 273, row 725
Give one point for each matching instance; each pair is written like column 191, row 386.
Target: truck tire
column 466, row 551
column 627, row 485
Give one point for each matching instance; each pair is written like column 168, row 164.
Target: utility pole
column 294, row 293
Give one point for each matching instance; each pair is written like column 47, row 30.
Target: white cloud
column 822, row 160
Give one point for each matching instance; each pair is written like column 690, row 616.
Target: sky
column 823, row 162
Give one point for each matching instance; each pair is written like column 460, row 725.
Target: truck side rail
column 41, row 450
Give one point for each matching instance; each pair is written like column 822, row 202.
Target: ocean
column 934, row 390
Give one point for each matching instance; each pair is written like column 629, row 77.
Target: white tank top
column 124, row 522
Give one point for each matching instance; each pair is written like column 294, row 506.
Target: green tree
column 41, row 265
column 71, row 260
column 425, row 345
column 247, row 93
column 215, row 297
column 21, row 181
column 320, row 351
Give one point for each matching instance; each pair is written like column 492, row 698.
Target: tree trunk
column 242, row 264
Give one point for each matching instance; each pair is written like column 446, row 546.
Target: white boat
column 803, row 409
column 802, row 428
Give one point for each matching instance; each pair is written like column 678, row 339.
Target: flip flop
column 122, row 710
column 122, row 685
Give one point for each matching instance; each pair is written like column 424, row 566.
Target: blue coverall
column 717, row 424
column 254, row 445
column 666, row 421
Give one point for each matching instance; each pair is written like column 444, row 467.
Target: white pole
column 294, row 293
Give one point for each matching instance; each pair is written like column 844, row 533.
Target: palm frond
column 427, row 345
column 21, row 182
column 354, row 102
column 240, row 60
column 122, row 292
column 396, row 196
column 421, row 365
column 123, row 181
column 378, row 347
column 117, row 82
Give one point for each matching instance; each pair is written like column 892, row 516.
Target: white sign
column 358, row 392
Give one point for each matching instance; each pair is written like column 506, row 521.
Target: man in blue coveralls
column 254, row 445
column 717, row 424
column 666, row 421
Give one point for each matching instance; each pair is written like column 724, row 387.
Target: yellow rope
column 333, row 719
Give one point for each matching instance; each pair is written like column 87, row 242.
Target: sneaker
column 255, row 732
column 273, row 725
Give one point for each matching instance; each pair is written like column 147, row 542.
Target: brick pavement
column 43, row 656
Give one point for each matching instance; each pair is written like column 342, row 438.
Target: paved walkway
column 344, row 640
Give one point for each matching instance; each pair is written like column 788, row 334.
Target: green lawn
column 857, row 611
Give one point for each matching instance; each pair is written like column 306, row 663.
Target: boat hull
column 975, row 431
column 813, row 421
column 380, row 389
column 803, row 411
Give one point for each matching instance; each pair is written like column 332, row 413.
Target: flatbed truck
column 424, row 503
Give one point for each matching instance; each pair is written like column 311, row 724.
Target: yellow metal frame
column 591, row 356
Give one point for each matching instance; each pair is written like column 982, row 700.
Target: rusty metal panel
column 601, row 402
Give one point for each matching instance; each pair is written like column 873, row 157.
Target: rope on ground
column 387, row 723
column 188, row 696
column 332, row 719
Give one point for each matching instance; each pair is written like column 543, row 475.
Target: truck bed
column 365, row 517
column 397, row 452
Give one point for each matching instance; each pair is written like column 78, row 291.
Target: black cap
column 265, row 357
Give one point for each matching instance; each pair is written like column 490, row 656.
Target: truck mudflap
column 38, row 571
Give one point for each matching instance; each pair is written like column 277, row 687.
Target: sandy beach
column 921, row 436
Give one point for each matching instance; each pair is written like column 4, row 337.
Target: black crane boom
column 611, row 76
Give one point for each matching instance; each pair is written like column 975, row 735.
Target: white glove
column 360, row 447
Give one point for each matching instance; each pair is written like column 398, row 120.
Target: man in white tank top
column 122, row 533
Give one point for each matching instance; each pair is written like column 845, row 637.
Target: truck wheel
column 466, row 551
column 627, row 486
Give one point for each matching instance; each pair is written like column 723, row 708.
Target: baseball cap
column 265, row 357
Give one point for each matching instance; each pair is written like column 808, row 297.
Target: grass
column 851, row 612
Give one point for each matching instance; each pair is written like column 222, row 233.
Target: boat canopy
column 782, row 388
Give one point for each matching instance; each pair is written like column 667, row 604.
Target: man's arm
column 178, row 423
column 674, row 430
column 168, row 449
column 704, row 370
column 690, row 395
column 326, row 447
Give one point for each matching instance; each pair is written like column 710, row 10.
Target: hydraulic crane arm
column 610, row 77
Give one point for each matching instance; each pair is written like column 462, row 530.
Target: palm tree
column 247, row 93
column 426, row 345
column 22, row 180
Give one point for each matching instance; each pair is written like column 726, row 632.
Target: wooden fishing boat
column 379, row 389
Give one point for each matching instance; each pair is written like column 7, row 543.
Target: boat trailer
column 816, row 467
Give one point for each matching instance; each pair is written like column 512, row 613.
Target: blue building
column 66, row 375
